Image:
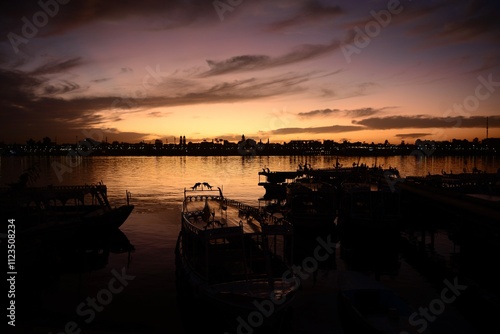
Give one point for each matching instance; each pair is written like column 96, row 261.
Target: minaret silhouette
column 486, row 127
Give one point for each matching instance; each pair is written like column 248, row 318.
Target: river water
column 156, row 181
column 59, row 285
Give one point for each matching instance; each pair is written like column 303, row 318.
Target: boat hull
column 235, row 302
column 68, row 226
column 61, row 211
column 233, row 257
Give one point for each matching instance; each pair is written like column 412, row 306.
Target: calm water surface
column 65, row 278
column 156, row 181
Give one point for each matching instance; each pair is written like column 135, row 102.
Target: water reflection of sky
column 157, row 180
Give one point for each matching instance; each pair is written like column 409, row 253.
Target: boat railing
column 457, row 182
column 54, row 196
column 270, row 224
column 243, row 208
column 87, row 187
column 202, row 191
column 212, row 229
column 200, row 197
column 264, row 218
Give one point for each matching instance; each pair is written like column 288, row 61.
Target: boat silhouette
column 232, row 255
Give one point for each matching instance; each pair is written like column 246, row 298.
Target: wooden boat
column 62, row 209
column 318, row 186
column 370, row 207
column 311, row 205
column 367, row 306
column 475, row 196
column 369, row 226
column 304, row 197
column 232, row 255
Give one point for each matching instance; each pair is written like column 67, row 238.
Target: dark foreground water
column 125, row 282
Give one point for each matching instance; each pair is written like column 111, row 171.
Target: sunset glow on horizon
column 271, row 70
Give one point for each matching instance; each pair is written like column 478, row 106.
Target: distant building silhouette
column 248, row 146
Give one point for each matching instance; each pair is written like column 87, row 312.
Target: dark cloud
column 60, row 88
column 155, row 114
column 162, row 14
column 311, row 12
column 440, row 23
column 158, row 114
column 113, row 134
column 478, row 19
column 57, row 66
column 408, row 13
column 238, row 63
column 362, row 112
column 323, row 112
column 16, row 86
column 413, row 135
column 25, row 113
column 348, row 91
column 424, row 121
column 261, row 62
column 238, row 90
column 126, row 70
column 100, row 80
column 319, row 129
column 451, row 22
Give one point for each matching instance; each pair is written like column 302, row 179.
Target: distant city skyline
column 182, row 140
column 281, row 70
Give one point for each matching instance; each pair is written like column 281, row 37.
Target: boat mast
column 486, row 127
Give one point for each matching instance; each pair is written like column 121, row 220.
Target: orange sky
column 280, row 70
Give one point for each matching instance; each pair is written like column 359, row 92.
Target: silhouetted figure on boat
column 207, row 185
column 196, row 185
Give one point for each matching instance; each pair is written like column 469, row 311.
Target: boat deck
column 226, row 215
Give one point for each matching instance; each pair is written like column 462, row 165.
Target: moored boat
column 232, row 255
column 370, row 207
column 312, row 205
column 62, row 210
column 369, row 225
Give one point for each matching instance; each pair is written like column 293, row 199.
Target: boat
column 306, row 198
column 368, row 306
column 233, row 255
column 315, row 200
column 475, row 196
column 62, row 210
column 311, row 205
column 368, row 206
column 369, row 223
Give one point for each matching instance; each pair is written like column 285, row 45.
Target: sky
column 280, row 70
